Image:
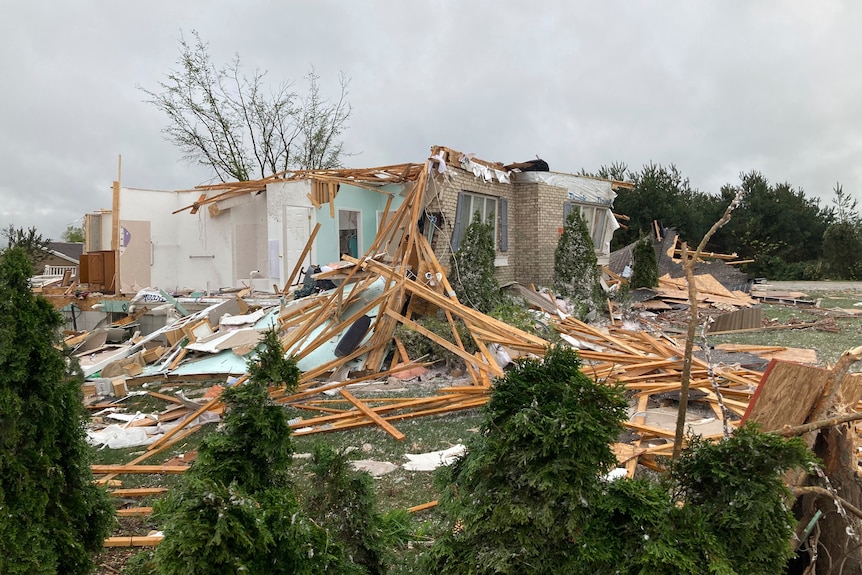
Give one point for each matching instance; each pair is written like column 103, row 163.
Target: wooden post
column 115, row 225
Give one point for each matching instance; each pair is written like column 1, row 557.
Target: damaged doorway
column 296, row 231
column 349, row 224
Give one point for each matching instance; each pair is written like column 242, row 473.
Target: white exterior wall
column 290, row 218
column 196, row 251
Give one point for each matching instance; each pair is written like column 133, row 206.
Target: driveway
column 839, row 286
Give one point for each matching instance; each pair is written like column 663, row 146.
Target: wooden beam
column 138, row 492
column 133, row 541
column 301, row 261
column 121, row 469
column 134, row 512
column 387, row 427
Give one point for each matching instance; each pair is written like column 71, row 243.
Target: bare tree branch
column 219, row 117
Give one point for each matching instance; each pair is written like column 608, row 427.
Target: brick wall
column 441, row 196
column 535, row 222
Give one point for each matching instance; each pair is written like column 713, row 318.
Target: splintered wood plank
column 422, row 506
column 495, row 369
column 387, row 427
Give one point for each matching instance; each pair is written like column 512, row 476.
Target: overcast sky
column 715, row 87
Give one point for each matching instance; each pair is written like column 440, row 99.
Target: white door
column 297, row 229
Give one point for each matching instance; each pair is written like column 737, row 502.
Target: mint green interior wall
column 352, row 198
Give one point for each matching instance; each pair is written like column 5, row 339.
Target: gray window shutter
column 504, row 225
column 457, row 230
column 567, row 209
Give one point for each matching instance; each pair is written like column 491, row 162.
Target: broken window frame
column 596, row 225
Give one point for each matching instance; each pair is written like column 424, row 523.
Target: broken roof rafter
column 367, row 178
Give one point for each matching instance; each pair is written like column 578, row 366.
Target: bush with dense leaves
column 52, row 516
column 576, row 271
column 472, row 270
column 530, row 498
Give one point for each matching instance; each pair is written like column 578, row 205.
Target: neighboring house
column 59, row 258
column 256, row 233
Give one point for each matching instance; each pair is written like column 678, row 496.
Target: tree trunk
column 838, row 551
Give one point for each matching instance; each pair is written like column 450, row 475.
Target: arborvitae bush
column 576, row 271
column 529, row 496
column 236, row 510
column 344, row 501
column 52, row 516
column 737, row 486
column 520, row 497
column 645, row 265
column 472, row 272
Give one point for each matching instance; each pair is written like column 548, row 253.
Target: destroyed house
column 528, row 208
column 262, row 234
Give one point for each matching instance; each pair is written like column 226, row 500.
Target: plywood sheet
column 786, row 394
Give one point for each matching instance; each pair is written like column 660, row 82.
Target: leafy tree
column 473, row 273
column 845, row 206
column 32, row 242
column 576, row 271
column 663, row 194
column 53, row 515
column 775, row 224
column 737, row 486
column 73, row 234
column 842, row 246
column 222, row 118
column 645, row 267
column 344, row 501
column 842, row 240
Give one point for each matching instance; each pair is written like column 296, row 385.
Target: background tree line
column 788, row 235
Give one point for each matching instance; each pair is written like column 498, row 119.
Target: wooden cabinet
column 97, row 270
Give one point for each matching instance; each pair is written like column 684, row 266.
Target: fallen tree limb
column 789, row 431
column 822, row 492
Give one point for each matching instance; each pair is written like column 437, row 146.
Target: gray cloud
column 714, row 87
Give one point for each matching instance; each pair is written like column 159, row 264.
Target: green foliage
column 73, row 234
column 53, row 516
column 738, row 486
column 842, row 250
column 516, row 313
column 661, row 193
column 253, row 447
column 343, row 501
column 529, row 498
column 576, row 271
column 236, row 510
column 645, row 267
column 472, row 271
column 33, row 244
column 270, row 366
column 773, row 220
column 417, row 345
column 521, row 494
